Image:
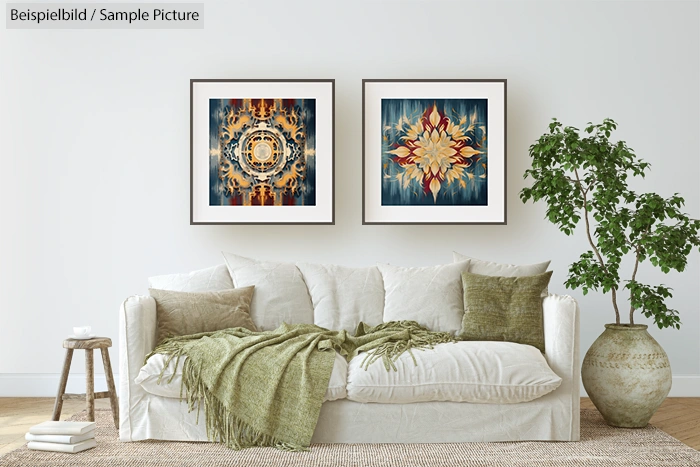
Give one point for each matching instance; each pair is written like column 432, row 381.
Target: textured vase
column 627, row 375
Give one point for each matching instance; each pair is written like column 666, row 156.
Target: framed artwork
column 262, row 151
column 434, row 151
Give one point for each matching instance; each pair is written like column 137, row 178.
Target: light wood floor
column 18, row 414
column 678, row 416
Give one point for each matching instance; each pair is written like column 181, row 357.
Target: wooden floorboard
column 677, row 416
column 17, row 414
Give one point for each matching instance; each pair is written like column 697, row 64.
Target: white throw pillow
column 475, row 371
column 489, row 268
column 431, row 296
column 150, row 373
column 214, row 279
column 280, row 292
column 342, row 296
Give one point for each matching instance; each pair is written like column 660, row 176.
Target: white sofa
column 374, row 406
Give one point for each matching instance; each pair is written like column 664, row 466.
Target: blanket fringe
column 419, row 338
column 222, row 425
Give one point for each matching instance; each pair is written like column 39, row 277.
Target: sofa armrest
column 137, row 338
column 561, row 342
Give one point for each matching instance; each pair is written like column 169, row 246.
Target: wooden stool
column 102, row 343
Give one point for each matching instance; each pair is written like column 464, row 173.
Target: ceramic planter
column 627, row 375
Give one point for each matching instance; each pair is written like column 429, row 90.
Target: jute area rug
column 600, row 445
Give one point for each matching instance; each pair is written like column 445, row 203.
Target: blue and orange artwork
column 434, row 152
column 262, row 152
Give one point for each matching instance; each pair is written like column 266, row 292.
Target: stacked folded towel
column 62, row 436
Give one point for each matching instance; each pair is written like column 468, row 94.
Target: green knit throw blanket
column 266, row 388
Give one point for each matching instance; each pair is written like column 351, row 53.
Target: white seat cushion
column 343, row 296
column 431, row 296
column 480, row 372
column 150, row 372
column 280, row 291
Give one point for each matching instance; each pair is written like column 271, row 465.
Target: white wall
column 94, row 147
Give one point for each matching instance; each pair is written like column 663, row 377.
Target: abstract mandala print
column 434, row 152
column 262, row 152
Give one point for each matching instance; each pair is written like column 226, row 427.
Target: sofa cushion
column 479, row 372
column 211, row 279
column 432, row 296
column 490, row 268
column 504, row 308
column 183, row 313
column 280, row 292
column 150, row 373
column 343, row 296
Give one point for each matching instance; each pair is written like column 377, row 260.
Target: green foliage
column 651, row 301
column 583, row 176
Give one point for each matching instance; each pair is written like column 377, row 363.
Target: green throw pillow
column 184, row 313
column 504, row 308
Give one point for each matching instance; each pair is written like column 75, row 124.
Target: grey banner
column 105, row 16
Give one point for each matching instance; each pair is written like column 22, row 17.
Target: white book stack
column 62, row 436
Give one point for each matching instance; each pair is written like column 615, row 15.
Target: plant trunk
column 614, row 302
column 593, row 245
column 634, row 276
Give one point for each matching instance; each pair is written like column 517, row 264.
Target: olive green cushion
column 184, row 313
column 504, row 308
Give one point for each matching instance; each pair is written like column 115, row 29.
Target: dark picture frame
column 456, row 173
column 262, row 151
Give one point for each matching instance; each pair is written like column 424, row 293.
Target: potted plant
column 583, row 176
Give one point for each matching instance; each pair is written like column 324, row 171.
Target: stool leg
column 110, row 386
column 89, row 385
column 58, row 405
